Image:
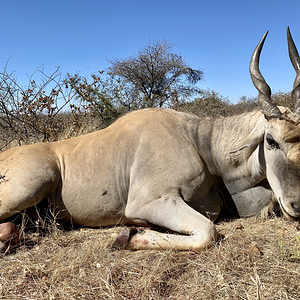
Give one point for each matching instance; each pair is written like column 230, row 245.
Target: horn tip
column 264, row 36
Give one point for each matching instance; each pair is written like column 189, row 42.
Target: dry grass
column 256, row 259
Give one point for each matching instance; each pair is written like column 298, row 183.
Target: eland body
column 167, row 168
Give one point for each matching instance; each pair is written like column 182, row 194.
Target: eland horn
column 294, row 57
column 269, row 109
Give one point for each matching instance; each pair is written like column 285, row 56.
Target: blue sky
column 216, row 36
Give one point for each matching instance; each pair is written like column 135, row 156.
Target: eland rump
column 168, row 168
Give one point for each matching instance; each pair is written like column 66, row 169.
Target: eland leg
column 254, row 201
column 27, row 176
column 195, row 231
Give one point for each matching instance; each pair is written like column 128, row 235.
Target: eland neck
column 218, row 137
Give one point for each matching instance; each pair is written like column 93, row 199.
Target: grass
column 256, row 259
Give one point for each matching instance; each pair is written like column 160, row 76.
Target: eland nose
column 296, row 207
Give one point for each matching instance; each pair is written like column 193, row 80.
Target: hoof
column 123, row 238
column 8, row 235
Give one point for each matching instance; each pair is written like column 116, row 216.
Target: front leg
column 256, row 200
column 195, row 231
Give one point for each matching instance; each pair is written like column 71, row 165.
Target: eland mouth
column 296, row 219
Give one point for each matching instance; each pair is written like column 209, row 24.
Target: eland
column 167, row 168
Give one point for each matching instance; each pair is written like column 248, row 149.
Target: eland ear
column 252, row 141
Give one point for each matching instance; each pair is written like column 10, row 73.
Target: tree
column 158, row 75
column 98, row 98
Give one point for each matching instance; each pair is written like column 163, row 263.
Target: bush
column 31, row 114
column 209, row 104
column 46, row 110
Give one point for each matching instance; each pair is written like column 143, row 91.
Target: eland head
column 279, row 136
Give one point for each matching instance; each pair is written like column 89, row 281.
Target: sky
column 216, row 36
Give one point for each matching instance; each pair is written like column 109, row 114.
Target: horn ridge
column 269, row 109
column 295, row 60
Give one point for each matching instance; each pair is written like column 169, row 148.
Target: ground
column 256, row 259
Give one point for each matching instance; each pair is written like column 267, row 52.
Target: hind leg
column 27, row 175
column 8, row 235
column 195, row 231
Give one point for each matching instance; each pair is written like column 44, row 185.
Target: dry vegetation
column 255, row 259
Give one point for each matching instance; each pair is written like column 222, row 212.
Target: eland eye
column 271, row 142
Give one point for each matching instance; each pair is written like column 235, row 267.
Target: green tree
column 156, row 76
column 99, row 97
